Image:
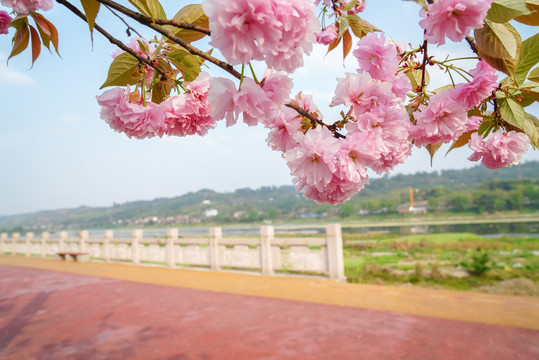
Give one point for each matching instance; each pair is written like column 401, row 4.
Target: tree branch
column 473, row 45
column 111, row 38
column 182, row 25
column 149, row 22
column 314, row 120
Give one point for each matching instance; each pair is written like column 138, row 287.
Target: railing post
column 335, row 252
column 109, row 235
column 135, row 246
column 83, row 239
column 29, row 237
column 15, row 241
column 267, row 235
column 3, row 239
column 62, row 241
column 172, row 235
column 216, row 234
column 44, row 239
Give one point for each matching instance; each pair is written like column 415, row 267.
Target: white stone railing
column 266, row 254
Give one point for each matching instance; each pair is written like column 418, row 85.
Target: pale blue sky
column 55, row 151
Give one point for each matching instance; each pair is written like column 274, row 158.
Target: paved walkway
column 56, row 310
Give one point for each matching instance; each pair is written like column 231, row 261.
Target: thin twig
column 473, row 45
column 182, row 25
column 314, row 120
column 129, row 28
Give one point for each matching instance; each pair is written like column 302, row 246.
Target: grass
column 432, row 260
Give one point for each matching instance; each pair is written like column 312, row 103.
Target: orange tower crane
column 411, row 198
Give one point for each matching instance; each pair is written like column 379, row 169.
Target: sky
column 55, row 151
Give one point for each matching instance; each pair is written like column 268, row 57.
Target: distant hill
column 277, row 203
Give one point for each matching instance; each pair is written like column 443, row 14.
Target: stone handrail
column 265, row 254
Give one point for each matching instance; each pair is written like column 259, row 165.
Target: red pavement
column 55, row 315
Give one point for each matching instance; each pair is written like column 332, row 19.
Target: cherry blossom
column 485, row 81
column 5, row 19
column 377, row 56
column 453, row 19
column 328, row 35
column 500, row 149
column 27, row 6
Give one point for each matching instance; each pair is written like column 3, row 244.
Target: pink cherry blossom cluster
column 453, row 19
column 500, row 149
column 277, row 31
column 5, row 19
column 328, row 35
column 445, row 118
column 26, row 6
column 184, row 114
column 254, row 101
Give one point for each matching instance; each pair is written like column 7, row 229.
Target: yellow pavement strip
column 516, row 311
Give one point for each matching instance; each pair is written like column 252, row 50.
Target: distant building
column 211, row 212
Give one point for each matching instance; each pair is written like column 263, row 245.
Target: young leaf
column 350, row 5
column 432, row 148
column 359, row 26
column 36, row 44
column 346, row 44
column 415, row 78
column 504, row 10
column 188, row 64
column 529, row 56
column 123, row 71
column 91, row 8
column 532, row 18
column 334, row 44
column 20, row 40
column 499, row 45
column 534, row 75
column 48, row 28
column 190, row 14
column 151, row 8
column 461, row 141
column 530, row 126
column 512, row 112
column 532, row 89
column 161, row 89
column 343, row 25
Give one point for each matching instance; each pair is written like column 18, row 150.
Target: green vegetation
column 448, row 193
column 459, row 261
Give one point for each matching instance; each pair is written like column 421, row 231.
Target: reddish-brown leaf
column 20, row 41
column 334, row 44
column 346, row 44
column 36, row 44
column 48, row 28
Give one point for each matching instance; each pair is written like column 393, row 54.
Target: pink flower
column 5, row 19
column 485, row 81
column 131, row 118
column 283, row 125
column 26, row 6
column 221, row 98
column 328, row 35
column 377, row 57
column 358, row 7
column 441, row 121
column 134, row 44
column 362, row 92
column 252, row 102
column 278, row 31
column 277, row 86
column 453, row 19
column 189, row 113
column 313, row 160
column 499, row 150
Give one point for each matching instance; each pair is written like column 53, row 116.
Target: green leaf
column 343, row 25
column 415, row 78
column 533, row 18
column 151, row 8
column 485, row 127
column 512, row 112
column 20, row 40
column 534, row 75
column 504, row 10
column 529, row 57
column 123, row 71
column 432, row 148
column 161, row 89
column 91, row 8
column 190, row 14
column 530, row 125
column 188, row 64
column 531, row 88
column 499, row 45
column 423, row 3
column 359, row 26
column 350, row 5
